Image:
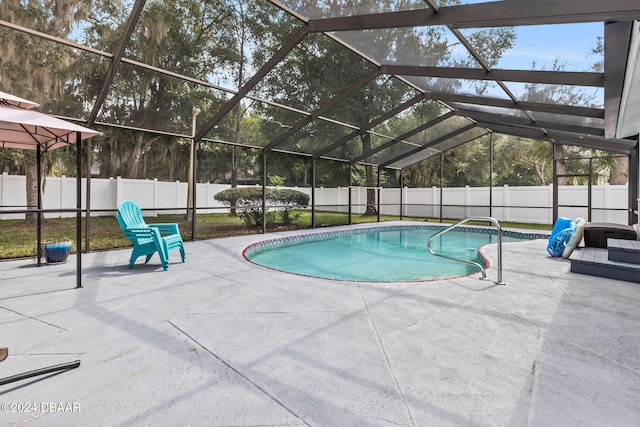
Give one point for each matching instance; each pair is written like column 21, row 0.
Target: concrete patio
column 218, row 341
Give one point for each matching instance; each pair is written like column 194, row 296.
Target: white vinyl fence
column 518, row 204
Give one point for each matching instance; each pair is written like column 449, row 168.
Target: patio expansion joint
column 556, row 284
column 595, row 353
column 26, row 316
column 611, row 314
column 240, row 374
column 562, row 338
column 533, row 377
column 386, row 357
column 245, row 313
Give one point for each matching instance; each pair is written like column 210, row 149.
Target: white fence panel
column 518, row 204
column 390, row 201
column 13, row 194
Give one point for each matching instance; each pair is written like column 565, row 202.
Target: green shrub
column 248, row 202
column 276, row 180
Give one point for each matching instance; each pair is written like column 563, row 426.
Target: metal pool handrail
column 481, row 268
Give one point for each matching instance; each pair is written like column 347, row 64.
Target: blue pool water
column 387, row 254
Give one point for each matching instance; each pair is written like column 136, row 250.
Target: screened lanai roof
column 388, row 82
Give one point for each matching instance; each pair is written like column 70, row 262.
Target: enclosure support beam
column 405, row 135
column 555, row 185
column 634, row 177
column 491, row 174
column 488, row 15
column 590, row 191
column 381, row 119
column 579, row 78
column 430, row 144
column 379, row 193
column 614, row 145
column 194, row 184
column 401, row 191
column 501, row 119
column 323, row 108
column 116, row 58
column 264, row 192
column 287, row 47
column 617, row 39
column 441, row 181
column 313, row 193
column 350, row 188
column 571, row 110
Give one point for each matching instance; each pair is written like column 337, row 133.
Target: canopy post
column 39, row 206
column 78, row 210
column 87, row 202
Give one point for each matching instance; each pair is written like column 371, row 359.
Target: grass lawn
column 17, row 238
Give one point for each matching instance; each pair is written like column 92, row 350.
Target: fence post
column 550, row 217
column 505, row 202
column 62, row 201
column 467, row 209
column 605, row 190
column 434, row 201
column 405, row 203
column 3, row 190
column 154, row 188
column 118, row 195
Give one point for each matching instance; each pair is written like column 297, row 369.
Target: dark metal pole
column 590, row 188
column 39, row 207
column 193, row 190
column 87, row 202
column 555, row 183
column 78, row 210
column 350, row 185
column 634, row 177
column 313, row 193
column 42, row 371
column 379, row 194
column 491, row 174
column 264, row 192
column 401, row 190
column 441, row 181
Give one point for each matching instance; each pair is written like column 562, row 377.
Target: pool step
column 598, row 262
column 624, row 250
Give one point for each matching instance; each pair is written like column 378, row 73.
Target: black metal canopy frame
column 78, row 210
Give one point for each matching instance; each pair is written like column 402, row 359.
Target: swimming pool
column 381, row 254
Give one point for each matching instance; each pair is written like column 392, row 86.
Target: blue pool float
column 562, row 230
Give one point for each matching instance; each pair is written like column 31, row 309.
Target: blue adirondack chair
column 148, row 239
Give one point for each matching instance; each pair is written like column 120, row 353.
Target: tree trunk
column 561, row 164
column 619, row 171
column 372, row 209
column 540, row 171
column 134, row 162
column 31, row 173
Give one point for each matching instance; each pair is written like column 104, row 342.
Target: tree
column 23, row 71
column 620, row 171
column 522, row 161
